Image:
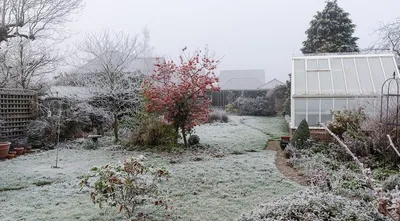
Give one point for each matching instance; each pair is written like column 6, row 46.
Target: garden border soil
column 280, row 162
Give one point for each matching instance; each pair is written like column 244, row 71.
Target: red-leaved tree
column 178, row 91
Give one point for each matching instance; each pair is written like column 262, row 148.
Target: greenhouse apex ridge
column 343, row 55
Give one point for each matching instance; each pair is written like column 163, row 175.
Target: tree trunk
column 116, row 128
column 177, row 134
column 184, row 137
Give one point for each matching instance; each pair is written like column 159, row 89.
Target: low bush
column 347, row 120
column 218, row 116
column 392, row 182
column 42, row 133
column 154, row 132
column 129, row 186
column 77, row 119
column 301, row 135
column 90, row 145
column 314, row 205
column 193, row 140
column 230, row 109
column 290, row 151
column 366, row 137
column 260, row 106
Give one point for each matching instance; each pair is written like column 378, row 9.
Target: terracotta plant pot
column 13, row 152
column 10, row 156
column 4, row 148
column 28, row 149
column 20, row 150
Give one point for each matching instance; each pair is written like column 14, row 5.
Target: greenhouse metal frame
column 333, row 82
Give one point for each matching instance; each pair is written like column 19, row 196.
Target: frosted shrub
column 392, row 182
column 193, row 140
column 218, row 116
column 313, row 205
column 152, row 131
column 290, row 151
column 346, row 120
column 301, row 135
column 259, row 106
column 127, row 186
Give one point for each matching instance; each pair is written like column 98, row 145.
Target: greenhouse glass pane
column 299, row 110
column 352, row 104
column 313, row 112
column 369, row 105
column 312, row 82
column 377, row 73
column 389, row 66
column 338, row 78
column 351, row 76
column 312, row 64
column 326, row 108
column 299, row 77
column 340, row 104
column 365, row 76
column 326, row 82
column 323, row 64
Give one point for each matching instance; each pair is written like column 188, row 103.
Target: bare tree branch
column 33, row 18
column 109, row 71
column 392, row 145
column 25, row 64
column 388, row 37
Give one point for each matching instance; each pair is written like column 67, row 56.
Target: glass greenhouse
column 321, row 83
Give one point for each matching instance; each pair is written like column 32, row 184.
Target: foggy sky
column 250, row 34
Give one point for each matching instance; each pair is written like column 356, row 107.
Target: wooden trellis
column 17, row 109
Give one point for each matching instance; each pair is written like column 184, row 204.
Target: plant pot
column 10, row 156
column 4, row 148
column 20, row 150
column 28, row 149
column 13, row 152
column 285, row 138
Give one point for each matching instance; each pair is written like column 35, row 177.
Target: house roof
column 241, row 79
column 271, row 84
column 68, row 92
column 336, row 74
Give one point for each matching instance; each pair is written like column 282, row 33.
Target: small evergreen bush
column 90, row 145
column 193, row 140
column 301, row 135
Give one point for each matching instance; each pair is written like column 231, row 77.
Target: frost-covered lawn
column 231, row 177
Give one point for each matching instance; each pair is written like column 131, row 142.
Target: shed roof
column 271, row 84
column 349, row 74
column 241, row 79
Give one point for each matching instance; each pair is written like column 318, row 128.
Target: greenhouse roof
column 342, row 75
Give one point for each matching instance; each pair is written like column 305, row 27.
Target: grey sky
column 251, row 34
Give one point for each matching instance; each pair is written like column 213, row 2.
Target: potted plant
column 28, row 149
column 11, row 154
column 20, row 150
column 4, row 148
